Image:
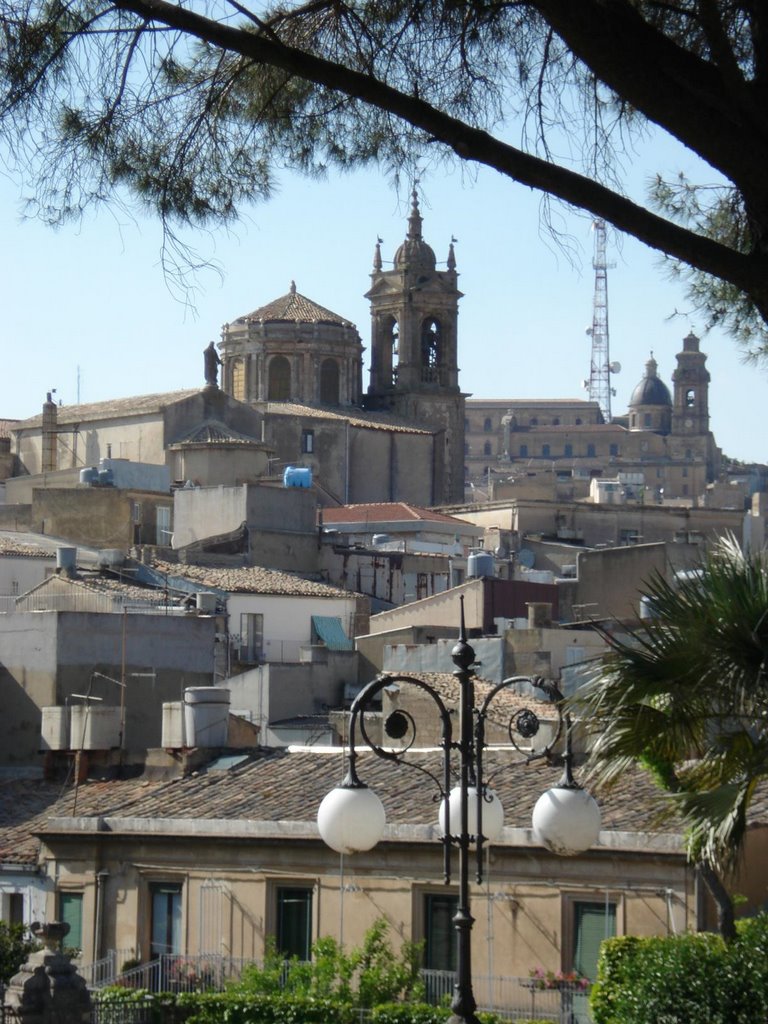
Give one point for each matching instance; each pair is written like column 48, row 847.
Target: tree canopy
column 194, row 107
column 686, row 695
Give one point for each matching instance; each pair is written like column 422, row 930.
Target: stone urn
column 47, row 988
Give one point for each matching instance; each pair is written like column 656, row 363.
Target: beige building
column 664, row 438
column 217, row 862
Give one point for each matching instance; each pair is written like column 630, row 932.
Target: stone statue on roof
column 212, row 364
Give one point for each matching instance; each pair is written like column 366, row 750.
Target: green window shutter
column 71, row 912
column 592, row 922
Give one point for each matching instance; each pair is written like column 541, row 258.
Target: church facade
column 663, row 445
column 300, row 365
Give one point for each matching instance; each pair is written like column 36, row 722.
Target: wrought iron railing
column 511, row 997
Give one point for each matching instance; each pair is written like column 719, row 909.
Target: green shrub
column 14, row 949
column 364, row 977
column 684, row 979
column 409, row 1013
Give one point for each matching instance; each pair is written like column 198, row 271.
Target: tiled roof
column 280, row 785
column 293, row 307
column 6, row 426
column 251, row 580
column 215, row 432
column 100, row 583
column 11, row 546
column 25, row 809
column 137, row 405
column 381, row 512
column 355, row 418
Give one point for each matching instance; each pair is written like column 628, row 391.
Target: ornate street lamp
column 566, row 819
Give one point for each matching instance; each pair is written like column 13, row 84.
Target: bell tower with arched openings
column 414, row 370
column 690, row 412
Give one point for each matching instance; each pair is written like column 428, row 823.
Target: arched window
column 487, row 425
column 238, row 379
column 545, row 451
column 534, row 421
column 329, row 382
column 431, row 346
column 556, row 421
column 487, row 449
column 590, row 451
column 578, row 421
column 279, row 389
column 394, row 348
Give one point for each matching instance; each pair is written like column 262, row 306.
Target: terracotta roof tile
column 355, row 417
column 292, row 307
column 10, row 546
column 251, row 580
column 137, row 405
column 281, row 785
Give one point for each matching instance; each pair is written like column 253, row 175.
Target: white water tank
column 206, row 716
column 205, row 602
column 66, row 559
column 94, row 727
column 54, row 733
column 172, row 735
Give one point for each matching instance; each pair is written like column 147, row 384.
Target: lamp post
column 566, row 818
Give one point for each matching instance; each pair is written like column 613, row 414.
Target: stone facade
column 664, row 438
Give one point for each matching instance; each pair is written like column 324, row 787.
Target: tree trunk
column 726, row 920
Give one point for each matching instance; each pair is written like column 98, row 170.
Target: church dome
column 294, row 308
column 651, row 390
column 414, row 253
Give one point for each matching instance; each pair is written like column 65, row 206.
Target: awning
column 330, row 631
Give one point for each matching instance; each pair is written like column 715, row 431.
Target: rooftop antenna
column 601, row 367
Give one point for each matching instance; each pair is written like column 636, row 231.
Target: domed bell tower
column 414, row 371
column 690, row 411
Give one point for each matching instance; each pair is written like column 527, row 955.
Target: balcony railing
column 512, row 997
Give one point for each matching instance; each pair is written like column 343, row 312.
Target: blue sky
column 93, row 296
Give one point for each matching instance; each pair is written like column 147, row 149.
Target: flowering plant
column 558, row 979
column 191, row 974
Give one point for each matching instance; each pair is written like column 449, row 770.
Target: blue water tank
column 106, row 478
column 89, row 475
column 297, row 476
column 480, row 563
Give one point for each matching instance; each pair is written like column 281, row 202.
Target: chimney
column 49, row 463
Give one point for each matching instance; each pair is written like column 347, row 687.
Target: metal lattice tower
column 600, row 368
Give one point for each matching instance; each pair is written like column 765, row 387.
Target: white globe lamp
column 566, row 820
column 493, row 813
column 351, row 819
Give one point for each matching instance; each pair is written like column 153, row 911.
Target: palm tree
column 686, row 696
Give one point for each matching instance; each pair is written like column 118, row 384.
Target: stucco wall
column 100, row 517
column 47, row 656
column 28, row 644
column 522, row 916
column 288, row 619
column 19, row 574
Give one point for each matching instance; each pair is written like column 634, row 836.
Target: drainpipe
column 101, row 878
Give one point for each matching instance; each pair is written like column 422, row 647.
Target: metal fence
column 511, row 997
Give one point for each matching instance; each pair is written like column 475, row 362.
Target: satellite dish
column 526, row 557
column 615, row 367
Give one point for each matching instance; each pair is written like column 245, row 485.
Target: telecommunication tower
column 601, row 368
